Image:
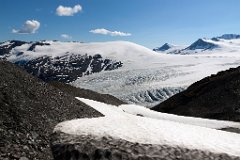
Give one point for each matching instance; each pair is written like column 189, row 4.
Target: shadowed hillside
column 216, row 97
column 29, row 110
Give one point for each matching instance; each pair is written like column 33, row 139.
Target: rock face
column 88, row 94
column 29, row 110
column 216, row 97
column 70, row 147
column 67, row 68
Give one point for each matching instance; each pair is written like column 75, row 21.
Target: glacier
column 142, row 77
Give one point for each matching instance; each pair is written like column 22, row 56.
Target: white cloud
column 29, row 27
column 111, row 33
column 66, row 36
column 68, row 11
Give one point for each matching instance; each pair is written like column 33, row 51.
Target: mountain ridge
column 202, row 45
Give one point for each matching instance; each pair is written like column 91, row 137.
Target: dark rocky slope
column 85, row 93
column 29, row 110
column 216, row 97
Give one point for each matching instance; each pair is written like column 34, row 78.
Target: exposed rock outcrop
column 69, row 67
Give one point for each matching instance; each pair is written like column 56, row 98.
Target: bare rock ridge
column 29, row 110
column 68, row 68
column 216, row 97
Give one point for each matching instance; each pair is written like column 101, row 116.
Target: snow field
column 155, row 128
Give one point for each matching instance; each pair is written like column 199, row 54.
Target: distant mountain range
column 227, row 37
column 202, row 45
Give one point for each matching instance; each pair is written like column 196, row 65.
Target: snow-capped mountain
column 204, row 45
column 201, row 44
column 228, row 37
column 49, row 62
column 169, row 48
column 130, row 72
column 6, row 47
column 164, row 47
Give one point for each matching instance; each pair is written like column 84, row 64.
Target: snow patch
column 154, row 128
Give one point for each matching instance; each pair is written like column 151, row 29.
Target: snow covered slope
column 158, row 79
column 130, row 72
column 169, row 48
column 155, row 128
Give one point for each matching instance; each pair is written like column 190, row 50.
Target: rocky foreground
column 29, row 110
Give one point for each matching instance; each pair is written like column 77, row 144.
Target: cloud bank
column 29, row 27
column 68, row 11
column 66, row 36
column 108, row 32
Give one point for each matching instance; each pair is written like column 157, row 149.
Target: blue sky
column 150, row 22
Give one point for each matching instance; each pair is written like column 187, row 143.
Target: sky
column 150, row 23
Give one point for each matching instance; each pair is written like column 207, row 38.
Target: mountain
column 6, row 47
column 29, row 110
column 169, row 48
column 228, row 37
column 66, row 67
column 216, row 97
column 128, row 71
column 201, row 44
column 164, row 47
column 224, row 43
